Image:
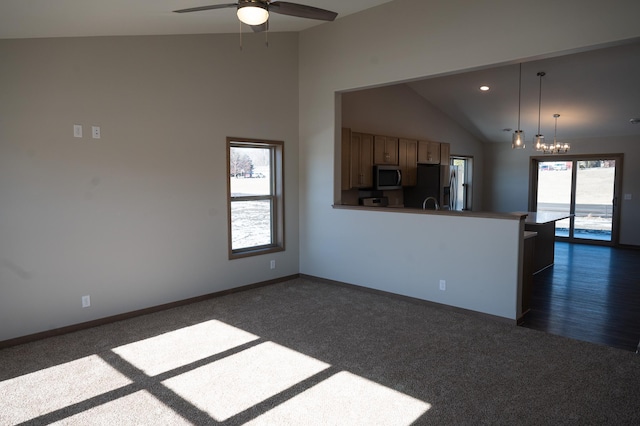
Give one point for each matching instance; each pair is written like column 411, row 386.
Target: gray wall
column 398, row 42
column 137, row 218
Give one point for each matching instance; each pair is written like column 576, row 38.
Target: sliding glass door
column 585, row 188
column 594, row 199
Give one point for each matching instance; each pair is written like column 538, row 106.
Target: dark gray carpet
column 369, row 358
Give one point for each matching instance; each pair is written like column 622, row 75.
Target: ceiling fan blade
column 214, row 6
column 260, row 28
column 301, row 11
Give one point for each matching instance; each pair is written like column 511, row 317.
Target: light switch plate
column 77, row 131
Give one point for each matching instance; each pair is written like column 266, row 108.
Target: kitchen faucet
column 435, row 203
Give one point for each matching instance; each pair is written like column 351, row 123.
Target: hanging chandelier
column 517, row 140
column 556, row 147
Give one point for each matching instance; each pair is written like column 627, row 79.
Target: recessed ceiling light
column 484, row 88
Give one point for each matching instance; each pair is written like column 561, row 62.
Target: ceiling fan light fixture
column 253, row 13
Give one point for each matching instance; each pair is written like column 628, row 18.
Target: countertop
column 539, row 218
column 531, row 218
column 402, row 209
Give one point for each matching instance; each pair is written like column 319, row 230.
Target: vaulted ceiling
column 596, row 92
column 81, row 18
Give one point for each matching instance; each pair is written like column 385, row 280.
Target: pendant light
column 538, row 140
column 558, row 147
column 517, row 141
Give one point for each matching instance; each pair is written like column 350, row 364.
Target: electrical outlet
column 272, row 264
column 443, row 285
column 86, row 301
column 95, row 132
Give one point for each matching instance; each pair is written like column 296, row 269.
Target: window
column 256, row 196
column 461, row 178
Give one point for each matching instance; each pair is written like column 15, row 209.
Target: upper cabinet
column 360, row 160
column 408, row 161
column 445, row 153
column 360, row 151
column 428, row 152
column 345, row 169
column 385, row 150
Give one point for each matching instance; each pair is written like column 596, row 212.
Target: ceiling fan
column 255, row 13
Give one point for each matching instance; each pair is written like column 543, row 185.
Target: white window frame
column 276, row 196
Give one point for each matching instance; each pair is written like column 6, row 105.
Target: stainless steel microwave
column 386, row 177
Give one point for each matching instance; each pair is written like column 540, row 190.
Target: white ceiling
column 79, row 18
column 595, row 92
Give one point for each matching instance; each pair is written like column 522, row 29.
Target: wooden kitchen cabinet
column 345, row 159
column 445, row 153
column 408, row 161
column 385, row 150
column 361, row 160
column 428, row 152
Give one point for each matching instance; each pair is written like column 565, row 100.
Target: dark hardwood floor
column 591, row 293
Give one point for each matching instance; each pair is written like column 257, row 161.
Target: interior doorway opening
column 461, row 182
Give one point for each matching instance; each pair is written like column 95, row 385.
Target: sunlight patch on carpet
column 177, row 348
column 348, row 399
column 139, row 408
column 66, row 384
column 231, row 385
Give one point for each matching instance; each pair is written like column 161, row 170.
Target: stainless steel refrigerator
column 436, row 181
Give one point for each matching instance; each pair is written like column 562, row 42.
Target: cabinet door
column 445, row 153
column 385, row 150
column 345, row 163
column 361, row 160
column 408, row 161
column 428, row 152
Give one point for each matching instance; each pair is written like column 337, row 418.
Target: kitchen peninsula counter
column 544, row 223
column 496, row 278
column 412, row 210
